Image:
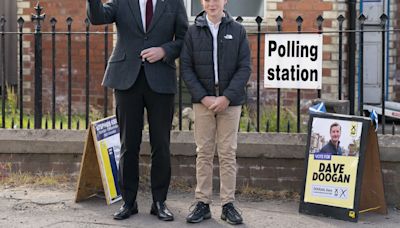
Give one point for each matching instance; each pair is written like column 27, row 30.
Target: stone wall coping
column 253, row 144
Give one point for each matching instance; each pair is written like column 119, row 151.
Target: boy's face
column 214, row 7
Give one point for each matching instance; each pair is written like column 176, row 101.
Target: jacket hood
column 201, row 19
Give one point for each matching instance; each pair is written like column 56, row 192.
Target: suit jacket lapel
column 160, row 6
column 135, row 8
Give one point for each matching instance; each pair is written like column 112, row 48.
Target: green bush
column 268, row 119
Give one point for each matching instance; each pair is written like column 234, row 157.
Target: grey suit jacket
column 167, row 30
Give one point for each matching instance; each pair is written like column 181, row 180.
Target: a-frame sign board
column 99, row 173
column 343, row 175
column 372, row 192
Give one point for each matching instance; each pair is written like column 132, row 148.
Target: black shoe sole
column 207, row 216
column 229, row 221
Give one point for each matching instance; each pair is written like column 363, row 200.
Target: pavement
column 55, row 207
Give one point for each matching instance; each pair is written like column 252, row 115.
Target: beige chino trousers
column 216, row 131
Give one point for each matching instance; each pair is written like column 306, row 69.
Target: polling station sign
column 338, row 148
column 293, row 61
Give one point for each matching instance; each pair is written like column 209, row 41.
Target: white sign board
column 293, row 61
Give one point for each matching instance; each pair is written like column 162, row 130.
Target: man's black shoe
column 161, row 210
column 231, row 215
column 200, row 213
column 126, row 211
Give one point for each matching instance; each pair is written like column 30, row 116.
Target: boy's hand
column 208, row 101
column 221, row 104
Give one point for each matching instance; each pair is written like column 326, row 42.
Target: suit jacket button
column 146, row 38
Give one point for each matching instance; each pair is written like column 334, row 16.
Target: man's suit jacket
column 167, row 30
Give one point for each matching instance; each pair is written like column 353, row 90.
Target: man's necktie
column 149, row 13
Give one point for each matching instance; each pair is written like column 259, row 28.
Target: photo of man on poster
column 335, row 137
column 333, row 146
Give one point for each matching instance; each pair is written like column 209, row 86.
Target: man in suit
column 142, row 72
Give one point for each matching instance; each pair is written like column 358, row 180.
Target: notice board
column 343, row 176
column 99, row 167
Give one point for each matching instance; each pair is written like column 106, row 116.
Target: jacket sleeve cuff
column 228, row 95
column 168, row 51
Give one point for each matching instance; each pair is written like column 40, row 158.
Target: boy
column 215, row 65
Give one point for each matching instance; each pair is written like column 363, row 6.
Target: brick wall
column 265, row 160
column 61, row 10
column 274, row 174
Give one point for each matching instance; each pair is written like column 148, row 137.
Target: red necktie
column 149, row 13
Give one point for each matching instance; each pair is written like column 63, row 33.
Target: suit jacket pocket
column 117, row 57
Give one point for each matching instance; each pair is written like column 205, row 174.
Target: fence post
column 299, row 21
column 340, row 76
column 320, row 20
column 279, row 21
column 38, row 17
column 21, row 73
column 53, row 22
column 258, row 20
column 3, row 73
column 69, row 47
column 383, row 18
column 105, row 109
column 361, row 20
column 87, row 89
column 352, row 53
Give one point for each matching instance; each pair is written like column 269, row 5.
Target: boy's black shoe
column 231, row 215
column 200, row 213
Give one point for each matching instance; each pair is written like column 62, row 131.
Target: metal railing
column 38, row 34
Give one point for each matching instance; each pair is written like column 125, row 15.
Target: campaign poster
column 107, row 143
column 293, row 61
column 333, row 162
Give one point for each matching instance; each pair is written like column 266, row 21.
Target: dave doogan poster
column 333, row 159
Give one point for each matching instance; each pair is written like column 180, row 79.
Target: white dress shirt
column 142, row 4
column 214, row 28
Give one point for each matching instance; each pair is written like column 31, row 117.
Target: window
column 251, row 8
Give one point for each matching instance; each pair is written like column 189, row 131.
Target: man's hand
column 153, row 54
column 208, row 101
column 220, row 104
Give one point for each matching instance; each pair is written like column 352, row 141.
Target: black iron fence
column 259, row 121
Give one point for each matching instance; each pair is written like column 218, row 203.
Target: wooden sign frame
column 369, row 191
column 98, row 173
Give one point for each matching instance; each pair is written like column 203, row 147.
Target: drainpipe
column 352, row 53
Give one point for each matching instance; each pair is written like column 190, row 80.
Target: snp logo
column 353, row 129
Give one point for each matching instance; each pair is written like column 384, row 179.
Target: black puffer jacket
column 197, row 66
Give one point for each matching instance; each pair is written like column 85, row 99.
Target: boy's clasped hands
column 216, row 104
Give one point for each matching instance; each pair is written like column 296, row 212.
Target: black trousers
column 130, row 109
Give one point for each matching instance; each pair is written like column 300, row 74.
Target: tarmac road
column 43, row 207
